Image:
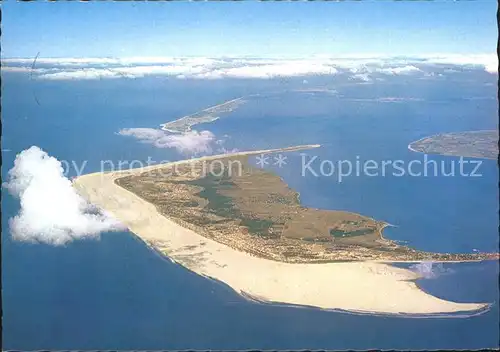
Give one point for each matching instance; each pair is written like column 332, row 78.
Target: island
column 213, row 113
column 210, row 114
column 243, row 226
column 252, row 210
column 471, row 144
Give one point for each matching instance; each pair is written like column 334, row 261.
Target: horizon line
column 353, row 55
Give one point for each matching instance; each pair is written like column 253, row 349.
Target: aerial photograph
column 250, row 175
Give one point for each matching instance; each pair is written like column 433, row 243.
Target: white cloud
column 87, row 74
column 191, row 142
column 120, row 72
column 188, row 143
column 86, row 61
column 70, row 61
column 16, row 69
column 491, row 67
column 197, row 72
column 242, row 68
column 221, row 149
column 405, row 70
column 362, row 71
column 147, row 135
column 362, row 77
column 430, row 270
column 172, row 70
column 51, row 210
column 27, row 69
column 488, row 61
column 286, row 69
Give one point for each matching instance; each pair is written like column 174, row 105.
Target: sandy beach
column 368, row 287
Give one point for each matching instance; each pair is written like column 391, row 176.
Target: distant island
column 213, row 113
column 471, row 144
column 249, row 231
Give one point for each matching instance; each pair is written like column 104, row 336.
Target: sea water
column 115, row 293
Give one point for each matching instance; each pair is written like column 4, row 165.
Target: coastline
column 186, row 127
column 410, row 146
column 263, row 301
column 368, row 287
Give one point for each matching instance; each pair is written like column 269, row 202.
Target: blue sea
column 115, row 293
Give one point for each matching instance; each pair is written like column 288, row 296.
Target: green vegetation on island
column 253, row 210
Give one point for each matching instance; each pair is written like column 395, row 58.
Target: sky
column 260, row 29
